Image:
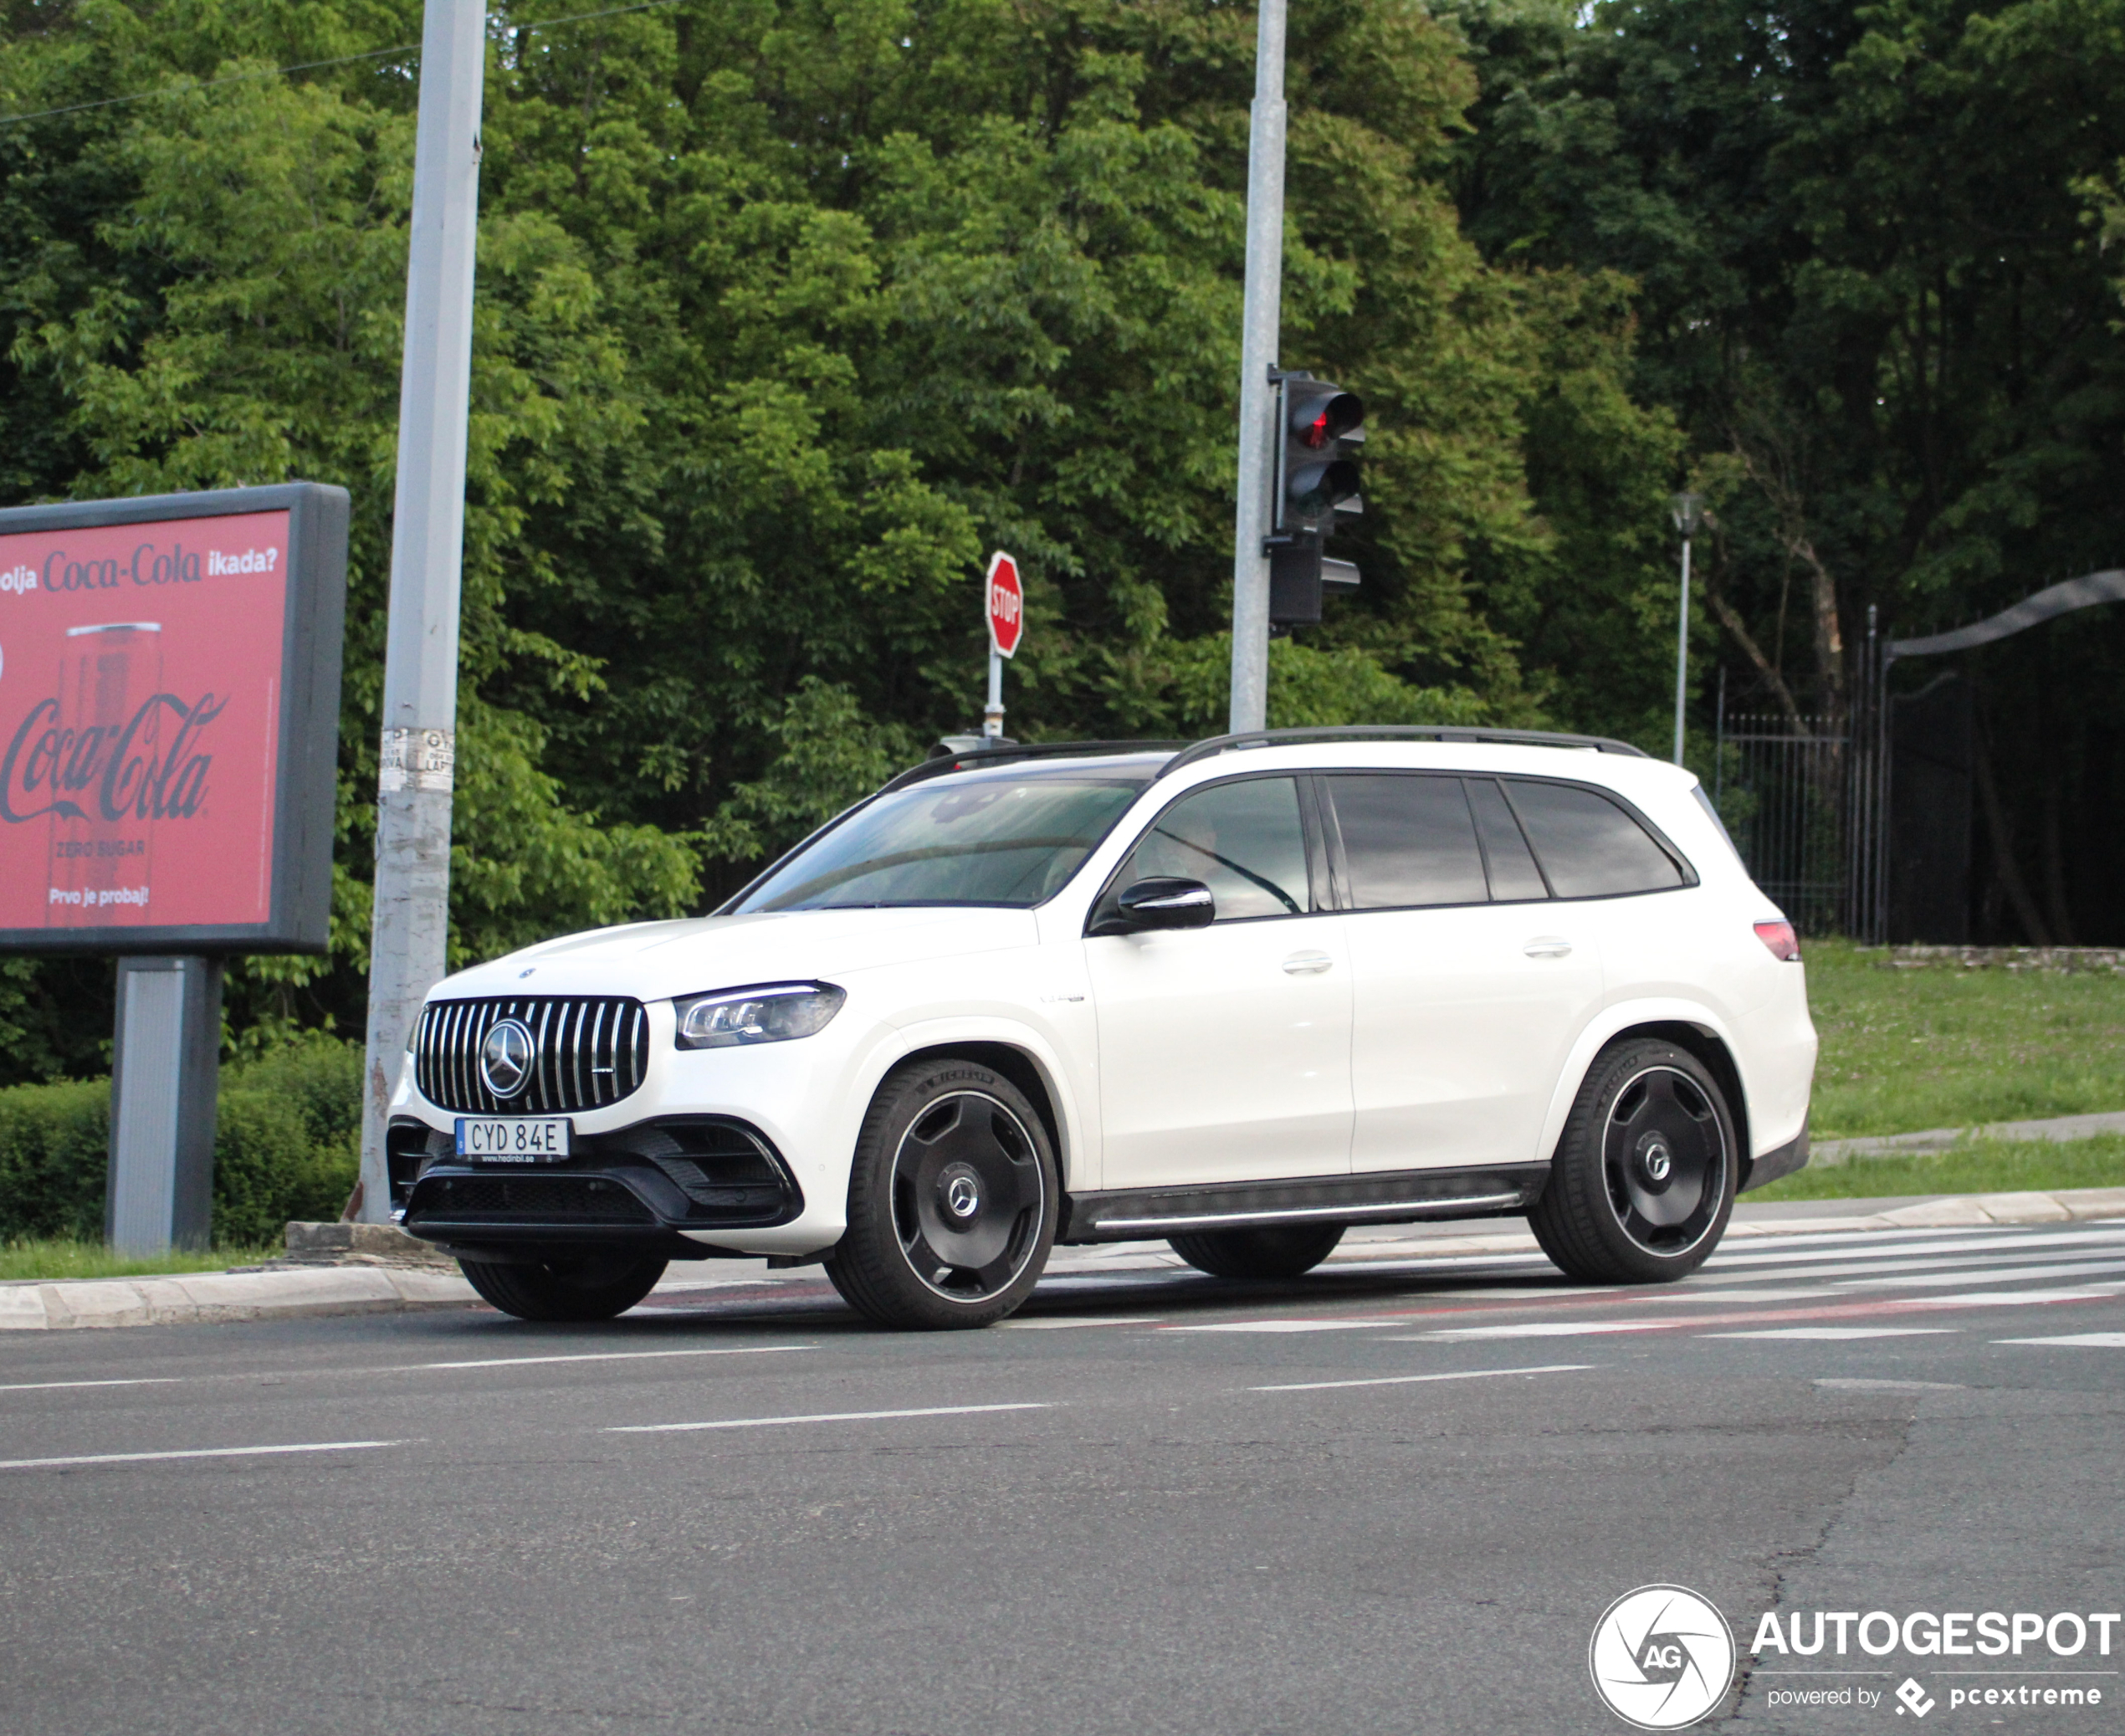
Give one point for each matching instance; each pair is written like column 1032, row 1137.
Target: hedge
column 287, row 1144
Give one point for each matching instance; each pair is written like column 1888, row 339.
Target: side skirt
column 1375, row 1198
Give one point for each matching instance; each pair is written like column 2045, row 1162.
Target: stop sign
column 1005, row 600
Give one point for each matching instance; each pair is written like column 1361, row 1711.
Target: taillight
column 1784, row 942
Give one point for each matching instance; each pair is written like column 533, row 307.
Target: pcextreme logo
column 1661, row 1657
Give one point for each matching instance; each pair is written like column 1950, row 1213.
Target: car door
column 1225, row 1050
column 1469, row 983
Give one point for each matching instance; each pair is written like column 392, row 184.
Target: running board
column 1375, row 1198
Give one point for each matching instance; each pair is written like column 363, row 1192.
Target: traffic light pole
column 411, row 924
column 1259, row 321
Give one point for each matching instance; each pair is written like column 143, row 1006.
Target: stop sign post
column 1004, row 602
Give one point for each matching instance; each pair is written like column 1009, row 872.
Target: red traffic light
column 1319, row 414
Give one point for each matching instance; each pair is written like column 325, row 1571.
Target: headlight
column 773, row 1014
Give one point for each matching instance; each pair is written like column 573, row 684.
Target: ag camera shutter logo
column 1661, row 1657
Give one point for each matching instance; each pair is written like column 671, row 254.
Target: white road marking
column 55, row 1385
column 1892, row 1386
column 1083, row 1320
column 1847, row 1272
column 1703, row 1297
column 1979, row 1243
column 1286, row 1326
column 1542, row 1328
column 1554, row 1368
column 2016, row 1299
column 2092, row 1340
column 1987, row 1275
column 194, row 1452
column 503, row 1362
column 768, row 1422
column 1836, row 1332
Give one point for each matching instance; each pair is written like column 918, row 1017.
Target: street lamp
column 1689, row 513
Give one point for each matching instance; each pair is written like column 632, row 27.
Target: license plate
column 513, row 1139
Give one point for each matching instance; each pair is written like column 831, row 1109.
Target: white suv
column 1238, row 995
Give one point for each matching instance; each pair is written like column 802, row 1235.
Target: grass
column 1986, row 1167
column 47, row 1259
column 1947, row 1046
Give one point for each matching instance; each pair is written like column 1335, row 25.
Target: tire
column 952, row 1201
column 582, row 1286
column 1270, row 1253
column 1643, row 1181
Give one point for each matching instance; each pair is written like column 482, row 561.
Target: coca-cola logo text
column 116, row 768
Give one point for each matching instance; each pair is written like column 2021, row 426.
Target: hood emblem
column 506, row 1057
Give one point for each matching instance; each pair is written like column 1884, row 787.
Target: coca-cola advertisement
column 169, row 680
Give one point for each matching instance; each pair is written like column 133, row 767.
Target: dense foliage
column 287, row 1143
column 789, row 313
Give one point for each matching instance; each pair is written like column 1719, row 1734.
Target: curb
column 218, row 1298
column 221, row 1298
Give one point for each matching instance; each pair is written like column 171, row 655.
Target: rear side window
column 1407, row 841
column 1588, row 846
column 1243, row 840
column 1514, row 875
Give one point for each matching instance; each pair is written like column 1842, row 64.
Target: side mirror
column 1163, row 903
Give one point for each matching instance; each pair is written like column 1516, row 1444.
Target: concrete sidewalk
column 302, row 1291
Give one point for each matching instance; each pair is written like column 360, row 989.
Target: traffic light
column 1322, row 427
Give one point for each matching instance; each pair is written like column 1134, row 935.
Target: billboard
column 169, row 716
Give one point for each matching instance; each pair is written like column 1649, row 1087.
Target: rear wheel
column 1644, row 1177
column 1266, row 1253
column 952, row 1200
column 594, row 1286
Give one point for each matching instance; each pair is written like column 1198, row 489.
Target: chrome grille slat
column 575, row 1034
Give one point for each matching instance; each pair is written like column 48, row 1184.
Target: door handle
column 1548, row 946
column 1307, row 963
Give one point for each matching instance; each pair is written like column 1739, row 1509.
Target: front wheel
column 952, row 1200
column 592, row 1286
column 1644, row 1174
column 1285, row 1252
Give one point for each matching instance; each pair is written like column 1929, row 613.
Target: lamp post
column 1689, row 513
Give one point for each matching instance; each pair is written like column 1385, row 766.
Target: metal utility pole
column 420, row 717
column 1689, row 512
column 1259, row 322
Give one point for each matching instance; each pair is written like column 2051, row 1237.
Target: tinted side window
column 1244, row 841
column 1589, row 847
column 1514, row 874
column 1407, row 841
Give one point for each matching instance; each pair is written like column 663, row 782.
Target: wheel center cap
column 1658, row 1160
column 961, row 1190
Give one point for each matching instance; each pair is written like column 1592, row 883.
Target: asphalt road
column 1392, row 1499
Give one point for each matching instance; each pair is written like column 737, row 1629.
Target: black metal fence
column 1783, row 785
column 1807, row 801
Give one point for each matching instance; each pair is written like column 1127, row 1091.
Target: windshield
column 992, row 840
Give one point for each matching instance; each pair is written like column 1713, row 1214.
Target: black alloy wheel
column 1644, row 1178
column 1271, row 1252
column 952, row 1200
column 593, row 1285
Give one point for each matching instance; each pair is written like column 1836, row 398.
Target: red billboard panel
column 159, row 711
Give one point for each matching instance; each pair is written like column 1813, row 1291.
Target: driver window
column 1242, row 840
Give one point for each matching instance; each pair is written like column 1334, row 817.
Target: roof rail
column 1217, row 745
column 941, row 765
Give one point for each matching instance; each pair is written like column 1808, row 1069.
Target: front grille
column 529, row 1199
column 588, row 1050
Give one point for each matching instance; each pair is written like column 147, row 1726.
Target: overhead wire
column 240, row 78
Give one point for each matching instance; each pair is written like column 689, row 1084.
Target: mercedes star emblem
column 505, row 1058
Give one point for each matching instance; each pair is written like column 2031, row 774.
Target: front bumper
column 646, row 1186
